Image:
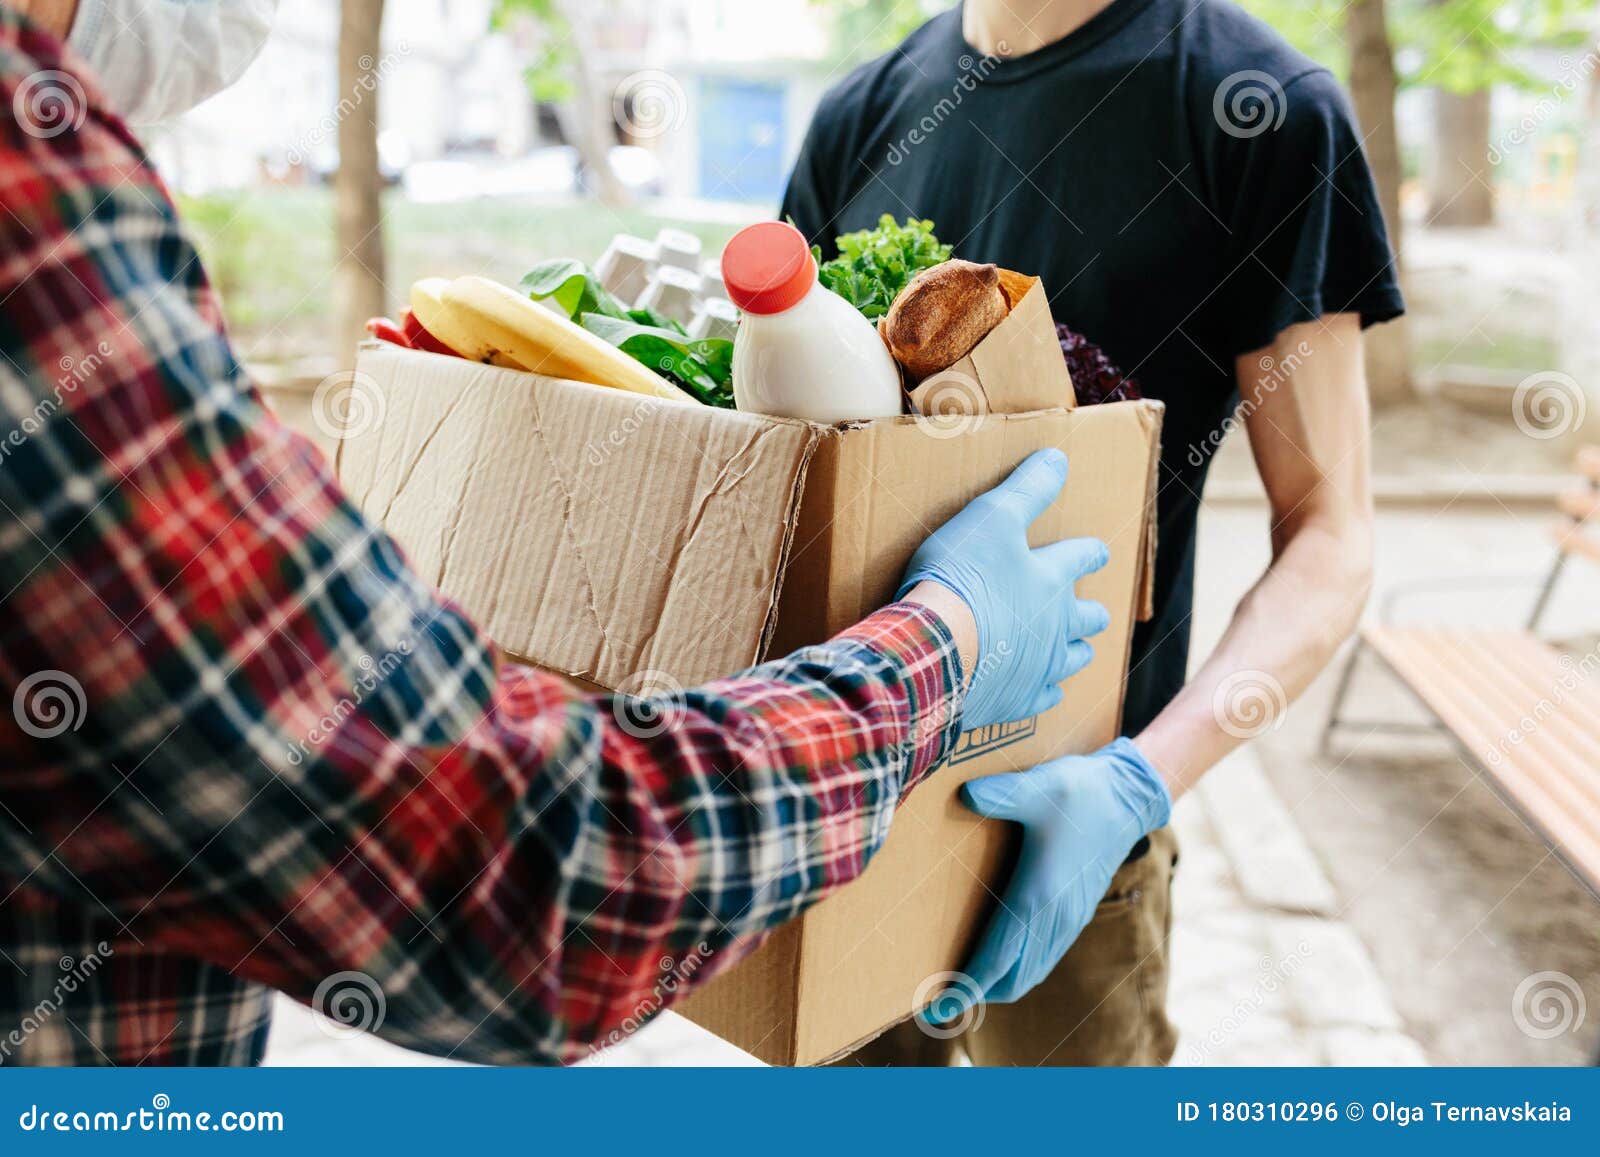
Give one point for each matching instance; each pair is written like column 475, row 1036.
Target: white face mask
column 156, row 59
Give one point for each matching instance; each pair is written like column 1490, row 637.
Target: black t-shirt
column 1185, row 183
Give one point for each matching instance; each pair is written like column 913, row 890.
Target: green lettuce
column 874, row 265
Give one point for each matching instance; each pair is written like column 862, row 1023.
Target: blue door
column 741, row 140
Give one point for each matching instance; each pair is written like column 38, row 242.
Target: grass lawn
column 1488, row 347
column 270, row 252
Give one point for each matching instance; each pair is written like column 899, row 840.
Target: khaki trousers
column 1105, row 1004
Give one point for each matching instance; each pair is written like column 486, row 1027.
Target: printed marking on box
column 983, row 740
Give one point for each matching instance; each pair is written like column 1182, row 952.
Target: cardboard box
column 600, row 534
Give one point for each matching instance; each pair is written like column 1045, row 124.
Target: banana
column 488, row 322
column 449, row 324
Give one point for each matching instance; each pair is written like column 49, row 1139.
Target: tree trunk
column 591, row 126
column 1372, row 88
column 1459, row 193
column 592, row 131
column 359, row 285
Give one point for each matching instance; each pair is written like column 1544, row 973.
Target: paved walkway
column 1264, row 970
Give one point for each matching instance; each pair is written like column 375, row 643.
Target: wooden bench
column 1525, row 714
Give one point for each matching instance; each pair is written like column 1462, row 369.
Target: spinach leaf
column 569, row 283
column 658, row 320
column 705, row 367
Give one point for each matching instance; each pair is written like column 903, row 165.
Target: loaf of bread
column 942, row 314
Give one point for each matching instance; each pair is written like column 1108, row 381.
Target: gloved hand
column 1031, row 625
column 1080, row 818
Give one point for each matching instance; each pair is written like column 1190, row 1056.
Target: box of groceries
column 621, row 494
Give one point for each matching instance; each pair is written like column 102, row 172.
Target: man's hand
column 54, row 16
column 1080, row 818
column 1031, row 626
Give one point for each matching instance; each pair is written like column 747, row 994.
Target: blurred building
column 710, row 98
column 445, row 85
column 751, row 75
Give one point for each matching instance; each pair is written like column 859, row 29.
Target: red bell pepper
column 384, row 329
column 420, row 338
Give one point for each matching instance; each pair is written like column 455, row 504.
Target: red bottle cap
column 768, row 268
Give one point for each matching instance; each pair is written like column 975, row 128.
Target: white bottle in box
column 801, row 351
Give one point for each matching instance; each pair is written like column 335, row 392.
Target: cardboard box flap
column 640, row 535
column 1153, row 412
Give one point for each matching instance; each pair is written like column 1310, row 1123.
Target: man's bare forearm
column 1283, row 634
column 1309, row 434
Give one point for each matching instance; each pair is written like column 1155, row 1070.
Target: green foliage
column 1467, row 45
column 866, row 28
column 1315, row 27
column 258, row 255
column 1458, row 45
column 549, row 80
column 874, row 265
column 506, row 11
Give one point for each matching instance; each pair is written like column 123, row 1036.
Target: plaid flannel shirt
column 247, row 748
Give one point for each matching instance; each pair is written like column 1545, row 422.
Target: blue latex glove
column 1080, row 818
column 1031, row 626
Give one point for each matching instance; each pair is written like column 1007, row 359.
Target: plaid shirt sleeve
column 244, row 732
